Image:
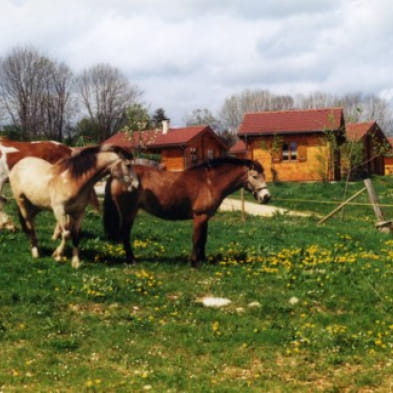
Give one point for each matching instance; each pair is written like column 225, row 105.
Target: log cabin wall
column 199, row 149
column 306, row 157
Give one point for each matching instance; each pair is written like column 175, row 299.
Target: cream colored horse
column 65, row 188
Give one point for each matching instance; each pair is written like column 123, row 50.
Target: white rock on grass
column 254, row 304
column 212, row 301
column 293, row 300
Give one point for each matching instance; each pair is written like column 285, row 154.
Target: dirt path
column 255, row 209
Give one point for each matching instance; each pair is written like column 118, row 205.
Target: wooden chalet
column 372, row 145
column 295, row 145
column 239, row 149
column 179, row 148
column 388, row 158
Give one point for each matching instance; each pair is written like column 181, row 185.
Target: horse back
column 47, row 150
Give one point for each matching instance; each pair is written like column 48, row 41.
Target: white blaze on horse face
column 263, row 195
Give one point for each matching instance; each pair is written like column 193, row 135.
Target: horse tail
column 112, row 216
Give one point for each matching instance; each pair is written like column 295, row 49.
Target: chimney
column 165, row 126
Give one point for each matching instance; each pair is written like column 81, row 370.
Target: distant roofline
column 297, row 110
column 245, row 133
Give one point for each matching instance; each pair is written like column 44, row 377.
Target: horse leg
column 125, row 234
column 75, row 232
column 199, row 238
column 56, row 232
column 93, row 200
column 127, row 208
column 26, row 215
column 3, row 179
column 5, row 220
column 64, row 223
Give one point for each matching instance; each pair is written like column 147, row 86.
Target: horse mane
column 217, row 162
column 85, row 159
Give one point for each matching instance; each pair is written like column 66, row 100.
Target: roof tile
column 356, row 131
column 177, row 136
column 292, row 121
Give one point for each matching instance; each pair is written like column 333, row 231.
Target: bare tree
column 203, row 117
column 357, row 107
column 21, row 88
column 58, row 102
column 34, row 92
column 236, row 106
column 106, row 93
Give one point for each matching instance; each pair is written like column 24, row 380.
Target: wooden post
column 339, row 207
column 382, row 224
column 374, row 200
column 243, row 214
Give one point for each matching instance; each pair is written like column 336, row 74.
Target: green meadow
column 311, row 305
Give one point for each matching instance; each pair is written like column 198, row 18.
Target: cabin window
column 289, row 151
column 194, row 155
column 210, row 154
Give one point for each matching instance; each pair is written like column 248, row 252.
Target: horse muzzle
column 130, row 181
column 262, row 195
column 133, row 184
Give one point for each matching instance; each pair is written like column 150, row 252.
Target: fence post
column 382, row 225
column 243, row 214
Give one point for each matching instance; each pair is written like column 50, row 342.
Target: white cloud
column 194, row 53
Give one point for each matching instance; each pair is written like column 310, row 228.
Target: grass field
column 311, row 306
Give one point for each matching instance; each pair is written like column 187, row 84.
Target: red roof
column 238, row 147
column 182, row 136
column 356, row 131
column 293, row 121
column 133, row 139
column 157, row 139
column 178, row 136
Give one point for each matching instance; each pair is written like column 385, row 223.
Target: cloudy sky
column 188, row 54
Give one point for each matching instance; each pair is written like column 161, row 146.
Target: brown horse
column 193, row 194
column 65, row 188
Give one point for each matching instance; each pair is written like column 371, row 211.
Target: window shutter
column 302, row 153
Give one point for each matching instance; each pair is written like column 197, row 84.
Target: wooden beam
column 339, row 207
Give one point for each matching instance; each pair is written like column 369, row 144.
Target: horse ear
column 106, row 147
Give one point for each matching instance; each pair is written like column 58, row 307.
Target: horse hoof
column 76, row 264
column 196, row 264
column 34, row 252
column 59, row 258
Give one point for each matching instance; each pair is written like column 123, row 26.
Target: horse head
column 123, row 171
column 256, row 183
